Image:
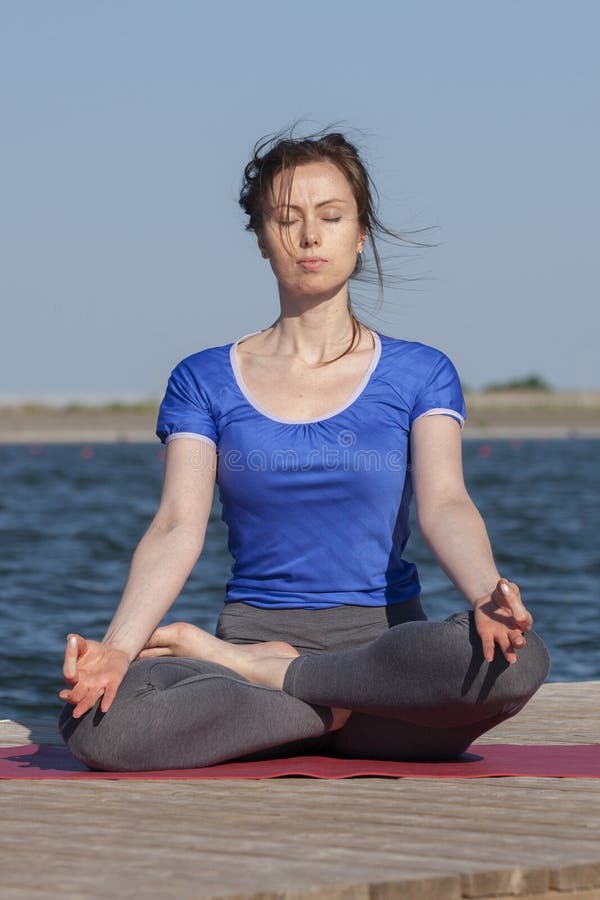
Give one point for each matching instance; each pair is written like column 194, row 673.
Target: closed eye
column 286, row 223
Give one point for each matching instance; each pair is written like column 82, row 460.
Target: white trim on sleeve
column 190, row 434
column 444, row 412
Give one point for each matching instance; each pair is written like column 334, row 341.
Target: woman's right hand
column 92, row 670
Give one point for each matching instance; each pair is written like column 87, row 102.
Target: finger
column 82, row 644
column 487, row 643
column 70, row 662
column 505, row 645
column 87, row 703
column 80, row 704
column 517, row 639
column 75, row 695
column 512, row 598
column 75, row 649
column 110, row 693
column 86, row 689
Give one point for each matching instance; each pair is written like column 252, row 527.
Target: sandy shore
column 531, row 414
column 500, row 415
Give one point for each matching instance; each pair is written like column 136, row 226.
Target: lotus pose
column 317, row 430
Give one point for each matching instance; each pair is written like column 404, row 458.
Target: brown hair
column 282, row 153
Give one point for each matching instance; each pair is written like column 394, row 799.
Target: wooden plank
column 296, row 834
column 34, row 731
column 295, row 838
column 560, row 713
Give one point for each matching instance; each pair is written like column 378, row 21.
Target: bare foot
column 265, row 663
column 259, row 663
column 180, row 639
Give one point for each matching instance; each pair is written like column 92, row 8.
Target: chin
column 319, row 283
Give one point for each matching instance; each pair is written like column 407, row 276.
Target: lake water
column 71, row 516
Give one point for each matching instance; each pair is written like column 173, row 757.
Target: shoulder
column 204, row 363
column 424, row 377
column 187, row 408
column 207, row 357
column 415, row 359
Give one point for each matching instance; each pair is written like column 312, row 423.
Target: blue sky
column 126, row 125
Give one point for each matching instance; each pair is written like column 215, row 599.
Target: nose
column 310, row 235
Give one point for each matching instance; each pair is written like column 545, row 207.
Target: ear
column 361, row 242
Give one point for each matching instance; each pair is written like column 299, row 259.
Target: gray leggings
column 418, row 690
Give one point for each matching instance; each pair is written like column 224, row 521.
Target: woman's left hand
column 500, row 618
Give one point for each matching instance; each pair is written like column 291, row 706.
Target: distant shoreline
column 84, row 436
column 511, row 415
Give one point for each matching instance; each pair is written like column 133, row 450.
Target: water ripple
column 68, row 527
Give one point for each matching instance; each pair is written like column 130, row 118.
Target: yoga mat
column 486, row 761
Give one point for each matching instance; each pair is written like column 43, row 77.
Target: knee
column 104, row 741
column 80, row 735
column 91, row 739
column 499, row 685
column 101, row 741
column 533, row 661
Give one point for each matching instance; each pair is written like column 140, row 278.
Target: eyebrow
column 323, row 203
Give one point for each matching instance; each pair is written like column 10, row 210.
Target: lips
column 312, row 263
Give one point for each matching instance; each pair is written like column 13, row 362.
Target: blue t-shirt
column 317, row 510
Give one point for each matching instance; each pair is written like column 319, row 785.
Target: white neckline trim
column 269, row 415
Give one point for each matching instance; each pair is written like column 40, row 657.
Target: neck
column 312, row 328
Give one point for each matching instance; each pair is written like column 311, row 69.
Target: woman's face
column 312, row 243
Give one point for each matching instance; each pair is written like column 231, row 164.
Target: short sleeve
column 185, row 410
column 441, row 393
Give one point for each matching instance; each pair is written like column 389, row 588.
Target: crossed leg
column 183, row 713
column 421, row 690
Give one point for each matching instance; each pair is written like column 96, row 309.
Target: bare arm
column 448, row 519
column 171, row 546
column 159, row 569
column 455, row 532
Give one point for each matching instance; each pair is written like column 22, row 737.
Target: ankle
column 269, row 671
column 340, row 717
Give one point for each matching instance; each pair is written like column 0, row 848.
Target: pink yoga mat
column 484, row 761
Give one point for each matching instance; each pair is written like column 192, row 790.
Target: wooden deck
column 296, row 838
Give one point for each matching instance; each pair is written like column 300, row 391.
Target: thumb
column 77, row 643
column 76, row 647
column 71, row 656
column 511, row 599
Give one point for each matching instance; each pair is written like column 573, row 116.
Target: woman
column 322, row 429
